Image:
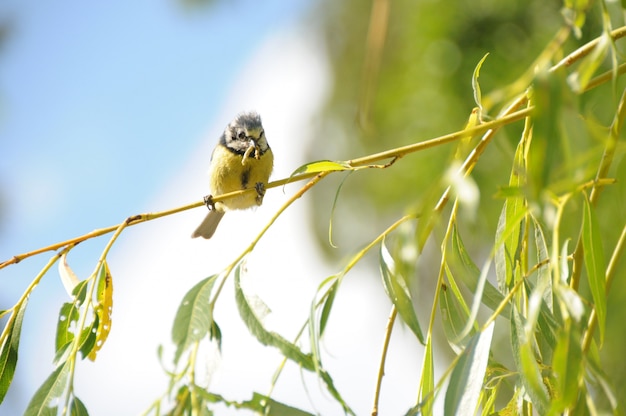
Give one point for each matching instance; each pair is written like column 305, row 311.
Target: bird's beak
column 257, row 149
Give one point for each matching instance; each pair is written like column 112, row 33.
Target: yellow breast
column 229, row 175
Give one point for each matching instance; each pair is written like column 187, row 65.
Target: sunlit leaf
column 543, row 272
column 291, row 351
column 321, row 166
column 265, row 337
column 194, row 316
column 328, row 304
column 595, row 264
column 88, row 337
column 51, row 389
column 476, row 86
column 469, row 274
column 526, row 363
column 398, row 292
column 104, row 308
column 332, row 211
column 571, row 300
column 466, row 380
column 427, row 383
column 77, row 407
column 454, row 316
column 68, row 277
column 509, row 226
column 270, row 407
column 9, row 349
column 567, row 365
column 579, row 79
column 66, row 328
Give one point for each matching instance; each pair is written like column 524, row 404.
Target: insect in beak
column 253, row 146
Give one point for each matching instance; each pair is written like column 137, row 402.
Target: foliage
column 554, row 235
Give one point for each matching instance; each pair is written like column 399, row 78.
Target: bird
column 242, row 159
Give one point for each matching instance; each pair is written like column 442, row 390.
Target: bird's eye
column 241, row 135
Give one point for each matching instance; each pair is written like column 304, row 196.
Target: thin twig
column 381, row 368
column 587, row 48
column 362, row 161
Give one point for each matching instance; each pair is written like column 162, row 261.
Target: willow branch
column 362, row 161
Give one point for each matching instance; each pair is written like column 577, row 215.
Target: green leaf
column 270, row 338
column 321, row 166
column 104, row 308
column 88, row 337
column 526, row 364
column 270, row 407
column 255, row 326
column 68, row 321
column 328, row 304
column 51, row 389
column 398, row 292
column 469, row 274
column 543, row 272
column 454, row 316
column 595, row 264
column 80, row 292
column 77, row 408
column 476, row 85
column 9, row 350
column 509, row 226
column 466, row 381
column 427, row 384
column 567, row 365
column 194, row 317
column 579, row 79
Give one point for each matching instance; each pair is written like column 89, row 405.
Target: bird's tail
column 206, row 229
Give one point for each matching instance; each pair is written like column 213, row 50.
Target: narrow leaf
column 476, row 85
column 466, row 381
column 509, row 226
column 104, row 308
column 68, row 277
column 567, row 366
column 68, row 319
column 527, row 364
column 9, row 350
column 194, row 317
column 77, row 407
column 267, row 406
column 595, row 264
column 265, row 337
column 469, row 274
column 328, row 305
column 270, row 338
column 51, row 389
column 427, row 383
column 398, row 292
column 88, row 337
column 543, row 272
column 454, row 316
column 321, row 166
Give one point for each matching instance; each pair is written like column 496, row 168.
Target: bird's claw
column 260, row 192
column 208, row 201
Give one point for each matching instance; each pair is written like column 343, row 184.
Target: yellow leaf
column 104, row 308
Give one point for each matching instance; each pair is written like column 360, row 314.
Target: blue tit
column 241, row 160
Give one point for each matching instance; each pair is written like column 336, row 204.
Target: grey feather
column 206, row 229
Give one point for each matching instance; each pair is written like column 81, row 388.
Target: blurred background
column 112, row 110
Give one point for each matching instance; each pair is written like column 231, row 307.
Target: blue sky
column 100, row 102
